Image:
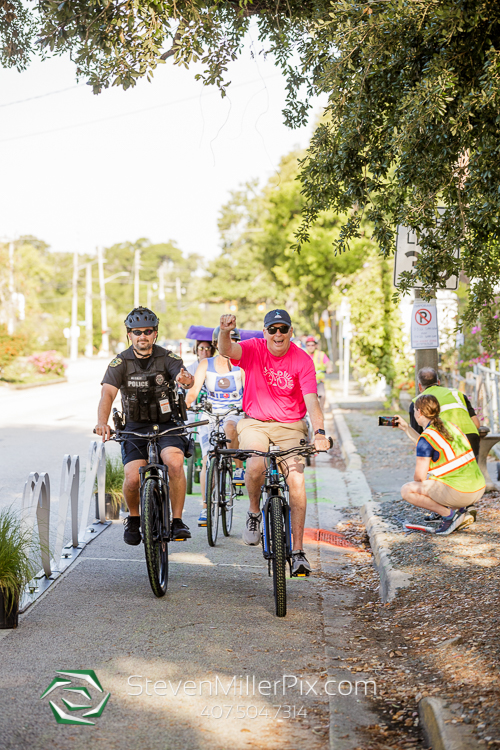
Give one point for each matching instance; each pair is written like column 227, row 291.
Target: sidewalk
column 446, row 616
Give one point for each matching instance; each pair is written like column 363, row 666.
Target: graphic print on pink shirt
column 275, row 386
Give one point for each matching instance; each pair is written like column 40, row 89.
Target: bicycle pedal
column 179, row 540
column 202, row 525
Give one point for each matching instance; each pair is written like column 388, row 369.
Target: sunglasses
column 204, row 348
column 146, row 332
column 275, row 329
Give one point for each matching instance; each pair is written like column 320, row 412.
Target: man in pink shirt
column 280, row 387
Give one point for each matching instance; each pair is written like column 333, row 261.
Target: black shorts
column 134, row 448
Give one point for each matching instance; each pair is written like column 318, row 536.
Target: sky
column 157, row 161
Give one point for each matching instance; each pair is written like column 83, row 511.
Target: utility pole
column 161, row 287
column 149, row 298
column 104, row 351
column 75, row 330
column 89, row 348
column 137, row 265
column 11, row 318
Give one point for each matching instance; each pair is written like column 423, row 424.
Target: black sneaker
column 179, row 531
column 432, row 517
column 300, row 564
column 132, row 534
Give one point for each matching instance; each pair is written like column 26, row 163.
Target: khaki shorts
column 448, row 496
column 256, row 435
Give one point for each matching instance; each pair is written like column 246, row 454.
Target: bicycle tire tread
column 158, row 587
column 279, row 555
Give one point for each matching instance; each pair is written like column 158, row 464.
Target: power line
column 42, row 96
column 125, row 114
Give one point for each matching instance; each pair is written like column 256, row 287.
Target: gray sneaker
column 300, row 564
column 251, row 532
column 459, row 520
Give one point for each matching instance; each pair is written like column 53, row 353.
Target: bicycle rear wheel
column 154, row 522
column 212, row 498
column 227, row 498
column 278, row 550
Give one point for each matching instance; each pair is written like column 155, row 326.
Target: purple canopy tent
column 202, row 333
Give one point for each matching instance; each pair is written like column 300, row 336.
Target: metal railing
column 482, row 388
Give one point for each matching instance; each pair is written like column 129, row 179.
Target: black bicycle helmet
column 141, row 317
column 235, row 335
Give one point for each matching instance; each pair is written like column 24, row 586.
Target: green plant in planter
column 115, row 474
column 19, row 559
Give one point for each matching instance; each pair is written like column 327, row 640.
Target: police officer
column 142, row 374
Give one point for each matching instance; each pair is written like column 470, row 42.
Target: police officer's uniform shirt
column 117, row 369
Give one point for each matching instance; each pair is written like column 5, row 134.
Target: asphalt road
column 39, row 425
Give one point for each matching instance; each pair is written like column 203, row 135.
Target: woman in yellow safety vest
column 447, row 478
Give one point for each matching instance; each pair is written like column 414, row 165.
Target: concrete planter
column 8, row 619
column 112, row 508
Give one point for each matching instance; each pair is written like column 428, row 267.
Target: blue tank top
column 224, row 390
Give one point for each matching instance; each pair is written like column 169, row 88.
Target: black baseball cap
column 277, row 316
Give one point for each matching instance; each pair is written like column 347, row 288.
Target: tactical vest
column 148, row 396
column 452, row 407
column 456, row 465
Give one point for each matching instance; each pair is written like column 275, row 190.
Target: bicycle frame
column 275, row 486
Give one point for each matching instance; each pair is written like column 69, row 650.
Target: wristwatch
column 320, row 432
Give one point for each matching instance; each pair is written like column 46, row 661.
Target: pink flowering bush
column 50, row 362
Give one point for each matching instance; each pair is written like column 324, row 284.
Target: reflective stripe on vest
column 448, row 460
column 466, row 458
column 456, row 465
column 458, row 405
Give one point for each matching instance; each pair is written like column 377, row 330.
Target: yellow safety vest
column 456, row 465
column 319, row 365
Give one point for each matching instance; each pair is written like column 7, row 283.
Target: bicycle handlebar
column 234, row 409
column 148, row 435
column 242, row 455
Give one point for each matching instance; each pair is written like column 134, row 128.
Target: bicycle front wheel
column 154, row 524
column 278, row 551
column 212, row 498
column 227, row 498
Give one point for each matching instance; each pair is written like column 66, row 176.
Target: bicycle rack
column 35, row 509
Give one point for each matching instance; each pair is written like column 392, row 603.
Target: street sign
column 407, row 252
column 424, row 325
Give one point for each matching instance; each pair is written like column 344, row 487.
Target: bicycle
column 155, row 509
column 276, row 515
column 220, row 490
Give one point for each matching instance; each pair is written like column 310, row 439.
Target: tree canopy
column 412, row 121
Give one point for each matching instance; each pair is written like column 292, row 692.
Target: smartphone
column 387, row 421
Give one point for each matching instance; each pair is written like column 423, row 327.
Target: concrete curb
column 439, row 732
column 391, row 579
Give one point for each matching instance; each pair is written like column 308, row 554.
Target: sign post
column 424, row 325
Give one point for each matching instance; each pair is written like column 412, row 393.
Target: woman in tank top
column 224, row 388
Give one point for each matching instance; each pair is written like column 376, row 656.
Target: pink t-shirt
column 275, row 386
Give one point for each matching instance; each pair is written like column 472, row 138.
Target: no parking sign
column 424, row 325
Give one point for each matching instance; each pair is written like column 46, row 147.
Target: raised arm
column 227, row 347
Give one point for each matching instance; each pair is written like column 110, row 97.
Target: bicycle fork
column 287, row 520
